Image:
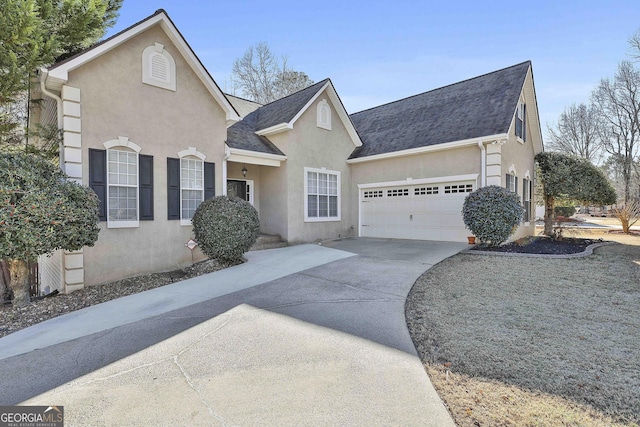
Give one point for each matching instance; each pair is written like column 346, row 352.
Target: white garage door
column 423, row 212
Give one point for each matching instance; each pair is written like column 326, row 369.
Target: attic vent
column 158, row 67
column 324, row 115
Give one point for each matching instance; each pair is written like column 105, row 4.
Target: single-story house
column 148, row 129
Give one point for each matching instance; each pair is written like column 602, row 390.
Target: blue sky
column 379, row 51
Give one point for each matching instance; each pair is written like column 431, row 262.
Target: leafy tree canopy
column 569, row 177
column 36, row 33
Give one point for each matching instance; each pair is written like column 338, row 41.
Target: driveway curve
column 325, row 345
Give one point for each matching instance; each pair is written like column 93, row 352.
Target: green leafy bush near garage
column 225, row 228
column 492, row 214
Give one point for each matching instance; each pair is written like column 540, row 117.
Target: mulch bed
column 542, row 245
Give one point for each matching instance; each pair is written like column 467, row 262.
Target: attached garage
column 426, row 209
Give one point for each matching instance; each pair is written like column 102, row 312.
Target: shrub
column 225, row 228
column 492, row 214
column 565, row 211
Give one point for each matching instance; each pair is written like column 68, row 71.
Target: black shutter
column 98, row 178
column 146, row 186
column 173, row 188
column 209, row 180
column 516, row 184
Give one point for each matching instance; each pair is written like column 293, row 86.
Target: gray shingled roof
column 477, row 107
column 242, row 134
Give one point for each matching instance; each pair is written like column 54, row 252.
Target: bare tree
column 618, row 103
column 263, row 78
column 634, row 41
column 577, row 132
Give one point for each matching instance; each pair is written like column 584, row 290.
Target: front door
column 237, row 189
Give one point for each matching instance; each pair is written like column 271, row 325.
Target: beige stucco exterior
column 282, row 189
column 115, row 103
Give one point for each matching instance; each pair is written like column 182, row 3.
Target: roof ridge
column 442, row 87
column 244, row 99
column 294, row 93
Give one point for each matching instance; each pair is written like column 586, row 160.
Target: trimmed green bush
column 565, row 211
column 225, row 228
column 492, row 214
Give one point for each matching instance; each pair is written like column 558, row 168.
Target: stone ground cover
column 533, row 341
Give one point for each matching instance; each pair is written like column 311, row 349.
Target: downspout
column 483, row 163
column 43, row 77
column 227, row 154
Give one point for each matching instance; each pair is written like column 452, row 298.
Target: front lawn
column 533, row 341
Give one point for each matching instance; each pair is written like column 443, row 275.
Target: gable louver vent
column 160, row 67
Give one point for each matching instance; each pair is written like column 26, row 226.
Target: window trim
column 527, row 187
column 113, row 145
column 185, row 154
column 307, row 218
column 147, row 75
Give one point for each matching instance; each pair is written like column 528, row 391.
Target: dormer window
column 324, row 115
column 158, row 67
column 521, row 125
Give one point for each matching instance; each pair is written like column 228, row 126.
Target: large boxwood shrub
column 492, row 214
column 225, row 228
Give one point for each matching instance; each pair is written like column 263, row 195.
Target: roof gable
column 280, row 115
column 58, row 74
column 478, row 107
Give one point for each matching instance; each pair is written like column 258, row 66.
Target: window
column 398, row 192
column 512, row 183
column 526, row 198
column 421, row 191
column 460, row 188
column 191, row 186
column 122, row 186
column 324, row 115
column 190, row 180
column 521, row 128
column 122, row 178
column 371, row 194
column 322, row 195
column 158, row 67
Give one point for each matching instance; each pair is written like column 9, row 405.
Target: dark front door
column 237, row 189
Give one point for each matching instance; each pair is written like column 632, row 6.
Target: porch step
column 266, row 241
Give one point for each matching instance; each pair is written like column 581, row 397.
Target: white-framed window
column 324, row 115
column 521, row 123
column 526, row 199
column 122, row 188
column 191, row 186
column 512, row 183
column 158, row 67
column 321, row 195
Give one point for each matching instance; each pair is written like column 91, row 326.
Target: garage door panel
column 410, row 213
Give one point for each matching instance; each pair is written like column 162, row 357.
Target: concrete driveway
column 324, row 345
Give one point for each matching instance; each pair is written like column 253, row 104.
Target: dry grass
column 540, row 342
